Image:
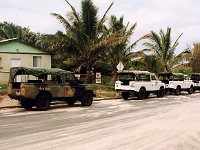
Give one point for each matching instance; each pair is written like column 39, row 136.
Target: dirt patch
column 102, row 93
column 7, row 102
column 2, row 92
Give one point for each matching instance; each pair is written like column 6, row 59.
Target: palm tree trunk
column 114, row 75
column 88, row 74
column 166, row 68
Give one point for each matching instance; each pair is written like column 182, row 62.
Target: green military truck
column 39, row 87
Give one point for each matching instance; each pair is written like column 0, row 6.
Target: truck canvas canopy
column 37, row 72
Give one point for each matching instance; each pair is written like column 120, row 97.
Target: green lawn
column 3, row 86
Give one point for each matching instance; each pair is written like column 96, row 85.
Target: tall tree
column 161, row 44
column 118, row 53
column 10, row 30
column 152, row 64
column 84, row 32
column 193, row 57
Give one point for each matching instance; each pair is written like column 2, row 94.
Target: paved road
column 172, row 122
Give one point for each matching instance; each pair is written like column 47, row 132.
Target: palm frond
column 176, row 42
column 74, row 11
column 104, row 16
column 62, row 20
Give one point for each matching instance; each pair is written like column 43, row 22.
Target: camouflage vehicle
column 39, row 87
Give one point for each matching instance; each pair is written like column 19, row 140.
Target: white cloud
column 181, row 15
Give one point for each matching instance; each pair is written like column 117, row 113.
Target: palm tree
column 10, row 30
column 192, row 56
column 118, row 53
column 163, row 47
column 84, row 32
column 152, row 64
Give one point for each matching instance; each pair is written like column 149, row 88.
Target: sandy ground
column 6, row 102
column 170, row 123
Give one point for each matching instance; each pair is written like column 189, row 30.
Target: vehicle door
column 54, row 82
column 69, row 85
column 154, row 82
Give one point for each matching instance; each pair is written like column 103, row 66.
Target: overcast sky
column 181, row 15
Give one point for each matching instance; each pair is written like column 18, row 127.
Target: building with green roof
column 14, row 53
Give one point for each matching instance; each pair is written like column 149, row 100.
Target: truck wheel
column 147, row 94
column 71, row 102
column 43, row 102
column 125, row 95
column 161, row 92
column 190, row 90
column 142, row 94
column 178, row 90
column 87, row 99
column 27, row 104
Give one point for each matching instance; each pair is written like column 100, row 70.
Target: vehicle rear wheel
column 125, row 95
column 43, row 102
column 27, row 104
column 178, row 90
column 87, row 99
column 142, row 93
column 190, row 90
column 161, row 92
column 71, row 101
column 147, row 94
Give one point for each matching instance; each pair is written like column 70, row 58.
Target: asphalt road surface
column 169, row 123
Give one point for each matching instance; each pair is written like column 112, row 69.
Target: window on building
column 0, row 61
column 37, row 61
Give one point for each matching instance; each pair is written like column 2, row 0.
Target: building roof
column 7, row 40
column 17, row 47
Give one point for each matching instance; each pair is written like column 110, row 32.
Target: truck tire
column 43, row 102
column 147, row 94
column 178, row 90
column 87, row 99
column 27, row 104
column 71, row 101
column 125, row 95
column 190, row 90
column 142, row 94
column 161, row 92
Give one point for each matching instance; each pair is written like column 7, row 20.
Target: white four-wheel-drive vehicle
column 195, row 77
column 175, row 82
column 138, row 83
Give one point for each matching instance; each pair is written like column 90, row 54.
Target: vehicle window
column 126, row 77
column 26, row 78
column 143, row 77
column 69, row 76
column 153, row 77
column 56, row 79
column 178, row 77
column 195, row 77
